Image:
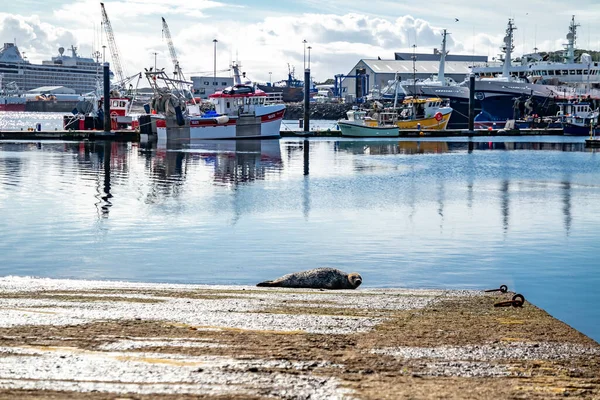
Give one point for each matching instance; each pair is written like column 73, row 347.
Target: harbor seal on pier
column 319, row 278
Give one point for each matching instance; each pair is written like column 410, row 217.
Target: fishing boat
column 362, row 123
column 427, row 113
column 579, row 119
column 240, row 111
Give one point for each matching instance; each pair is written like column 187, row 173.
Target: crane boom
column 112, row 44
column 167, row 35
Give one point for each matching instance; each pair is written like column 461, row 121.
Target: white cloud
column 262, row 45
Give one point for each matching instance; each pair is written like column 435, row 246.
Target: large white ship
column 75, row 72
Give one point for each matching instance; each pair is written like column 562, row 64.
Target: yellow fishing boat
column 426, row 113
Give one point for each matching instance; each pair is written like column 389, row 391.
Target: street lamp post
column 270, row 79
column 215, row 60
column 304, row 41
column 306, row 119
column 155, row 54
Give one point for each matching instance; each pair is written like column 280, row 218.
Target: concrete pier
column 119, row 135
column 133, row 136
column 106, row 340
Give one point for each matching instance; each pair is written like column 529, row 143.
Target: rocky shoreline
column 328, row 111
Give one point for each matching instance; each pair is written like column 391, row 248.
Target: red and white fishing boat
column 89, row 114
column 240, row 111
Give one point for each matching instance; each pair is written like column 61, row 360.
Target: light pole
column 103, row 54
column 304, row 41
column 155, row 54
column 215, row 61
column 309, row 56
column 270, row 79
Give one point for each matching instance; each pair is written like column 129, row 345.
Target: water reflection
column 391, row 147
column 566, row 198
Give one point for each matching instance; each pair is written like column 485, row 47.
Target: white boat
column 377, row 124
column 240, row 111
column 536, row 69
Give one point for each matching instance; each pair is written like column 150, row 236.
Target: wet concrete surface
column 106, row 340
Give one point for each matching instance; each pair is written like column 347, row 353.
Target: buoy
column 438, row 116
column 490, row 128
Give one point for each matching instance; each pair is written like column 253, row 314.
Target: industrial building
column 207, row 85
column 369, row 74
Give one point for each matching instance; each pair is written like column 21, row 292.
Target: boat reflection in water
column 232, row 161
column 391, row 147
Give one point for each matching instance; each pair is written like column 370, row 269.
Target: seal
column 318, row 278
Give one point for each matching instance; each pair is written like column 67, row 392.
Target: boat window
column 557, row 72
column 228, row 105
column 551, row 72
column 262, row 100
column 572, row 72
column 115, row 103
column 224, row 83
column 206, row 83
column 565, row 72
column 579, row 72
column 215, row 83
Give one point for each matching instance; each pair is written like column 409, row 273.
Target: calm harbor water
column 403, row 213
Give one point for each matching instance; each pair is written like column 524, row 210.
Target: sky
column 266, row 36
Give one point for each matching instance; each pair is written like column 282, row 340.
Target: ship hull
column 12, row 107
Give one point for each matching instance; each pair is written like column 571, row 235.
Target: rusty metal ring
column 503, row 288
column 518, row 300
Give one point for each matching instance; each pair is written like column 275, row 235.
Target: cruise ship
column 75, row 72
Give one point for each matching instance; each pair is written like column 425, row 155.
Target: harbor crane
column 112, row 44
column 167, row 34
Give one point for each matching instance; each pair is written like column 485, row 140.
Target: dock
column 134, row 136
column 592, row 143
column 77, row 135
column 438, row 133
column 105, row 340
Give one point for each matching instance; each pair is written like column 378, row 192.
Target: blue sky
column 267, row 35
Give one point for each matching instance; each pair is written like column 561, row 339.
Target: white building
column 368, row 74
column 207, row 85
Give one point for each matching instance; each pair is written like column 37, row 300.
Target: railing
column 274, row 98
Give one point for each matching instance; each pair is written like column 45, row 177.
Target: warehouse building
column 369, row 74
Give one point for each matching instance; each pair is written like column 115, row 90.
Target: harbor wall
column 50, row 106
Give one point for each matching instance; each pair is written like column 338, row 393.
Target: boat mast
column 571, row 37
column 396, row 83
column 508, row 48
column 237, row 78
column 441, row 77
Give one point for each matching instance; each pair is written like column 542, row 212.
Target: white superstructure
column 75, row 72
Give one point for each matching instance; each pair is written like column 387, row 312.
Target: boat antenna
column 414, row 60
column 508, row 48
column 443, row 53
